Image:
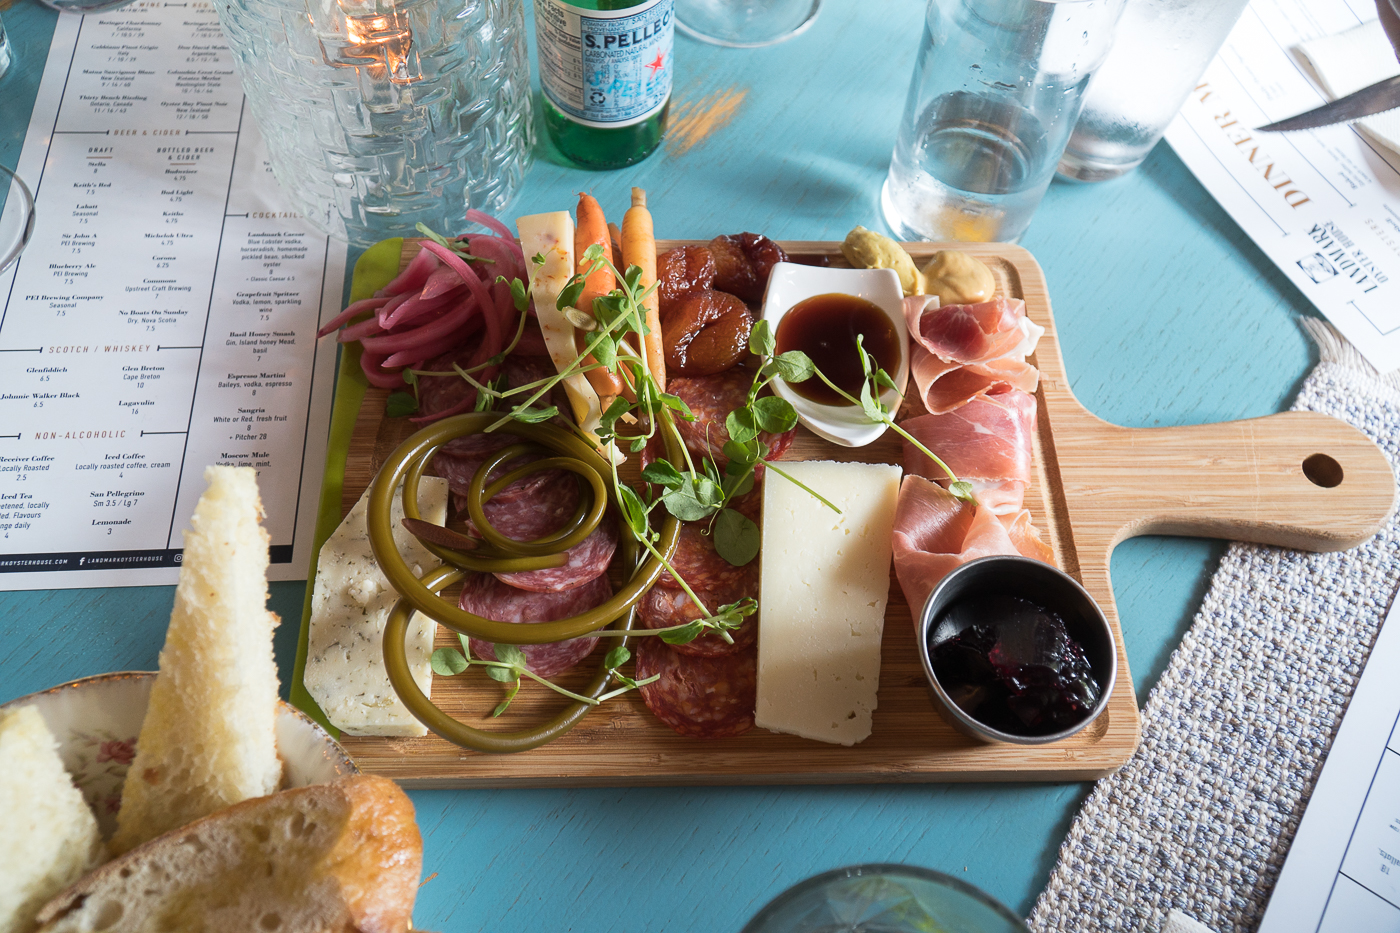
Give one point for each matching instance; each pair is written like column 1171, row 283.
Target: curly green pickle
column 499, row 554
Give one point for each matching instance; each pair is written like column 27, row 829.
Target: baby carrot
column 592, row 229
column 639, row 249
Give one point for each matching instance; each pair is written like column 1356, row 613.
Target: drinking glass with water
column 997, row 88
column 1160, row 50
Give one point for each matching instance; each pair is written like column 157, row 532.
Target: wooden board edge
column 794, row 779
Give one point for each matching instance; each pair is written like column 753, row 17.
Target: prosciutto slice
column 962, row 352
column 935, row 532
column 1026, row 537
column 945, row 386
column 986, row 441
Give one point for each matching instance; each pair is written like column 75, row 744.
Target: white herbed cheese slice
column 551, row 237
column 345, row 671
column 824, row 584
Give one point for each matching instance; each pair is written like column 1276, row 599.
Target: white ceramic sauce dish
column 791, row 283
column 96, row 721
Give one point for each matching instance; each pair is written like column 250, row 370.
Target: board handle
column 1296, row 479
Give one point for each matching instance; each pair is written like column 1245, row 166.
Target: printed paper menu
column 164, row 315
column 1343, row 870
column 1323, row 204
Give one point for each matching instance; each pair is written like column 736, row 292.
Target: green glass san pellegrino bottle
column 605, row 70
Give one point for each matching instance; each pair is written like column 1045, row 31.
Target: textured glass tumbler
column 997, row 87
column 1159, row 52
column 379, row 117
column 884, row 899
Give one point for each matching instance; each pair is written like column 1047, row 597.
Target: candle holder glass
column 380, row 115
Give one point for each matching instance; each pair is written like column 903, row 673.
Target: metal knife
column 1378, row 98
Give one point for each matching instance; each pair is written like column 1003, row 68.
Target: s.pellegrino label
column 606, row 68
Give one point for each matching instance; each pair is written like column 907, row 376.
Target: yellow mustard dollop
column 958, row 278
column 866, row 249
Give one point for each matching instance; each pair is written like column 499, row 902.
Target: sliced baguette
column 343, row 856
column 208, row 739
column 48, row 836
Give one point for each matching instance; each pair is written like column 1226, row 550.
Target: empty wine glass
column 745, row 24
column 883, row 898
column 5, row 53
column 17, row 218
column 85, row 6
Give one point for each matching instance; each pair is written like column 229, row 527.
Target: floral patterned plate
column 96, row 721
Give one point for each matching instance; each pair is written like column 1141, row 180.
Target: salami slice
column 696, row 559
column 532, row 507
column 711, row 399
column 707, row 698
column 489, row 598
column 663, row 607
column 443, row 393
column 583, row 562
column 522, row 370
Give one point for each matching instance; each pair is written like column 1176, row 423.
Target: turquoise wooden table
column 1167, row 314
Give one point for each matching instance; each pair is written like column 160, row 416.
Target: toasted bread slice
column 48, row 836
column 343, row 856
column 208, row 739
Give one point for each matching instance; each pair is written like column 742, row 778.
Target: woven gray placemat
column 1235, row 733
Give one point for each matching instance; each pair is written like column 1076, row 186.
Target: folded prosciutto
column 934, row 532
column 962, row 352
column 986, row 442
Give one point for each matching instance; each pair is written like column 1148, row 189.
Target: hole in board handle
column 1322, row 470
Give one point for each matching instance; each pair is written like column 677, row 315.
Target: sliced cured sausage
column 707, row 698
column 696, row 559
column 663, row 607
column 583, row 562
column 711, row 399
column 489, row 598
column 534, row 506
column 445, row 393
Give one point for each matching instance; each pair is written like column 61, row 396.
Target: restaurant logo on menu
column 1247, row 145
column 1338, row 255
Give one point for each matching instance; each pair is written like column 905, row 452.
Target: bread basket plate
column 96, row 721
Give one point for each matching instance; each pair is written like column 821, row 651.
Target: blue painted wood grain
column 1167, row 314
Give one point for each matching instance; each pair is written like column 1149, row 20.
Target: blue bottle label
column 605, row 68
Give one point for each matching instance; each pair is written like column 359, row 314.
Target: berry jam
column 1012, row 665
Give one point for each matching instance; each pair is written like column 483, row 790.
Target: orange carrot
column 615, row 232
column 639, row 249
column 592, row 229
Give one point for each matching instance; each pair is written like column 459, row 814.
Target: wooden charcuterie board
column 1095, row 484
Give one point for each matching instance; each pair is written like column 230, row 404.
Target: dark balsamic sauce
column 825, row 328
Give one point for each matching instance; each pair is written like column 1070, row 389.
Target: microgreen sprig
column 457, row 246
column 510, row 667
column 873, row 383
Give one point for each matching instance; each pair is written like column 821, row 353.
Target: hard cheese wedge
column 349, row 607
column 825, row 581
